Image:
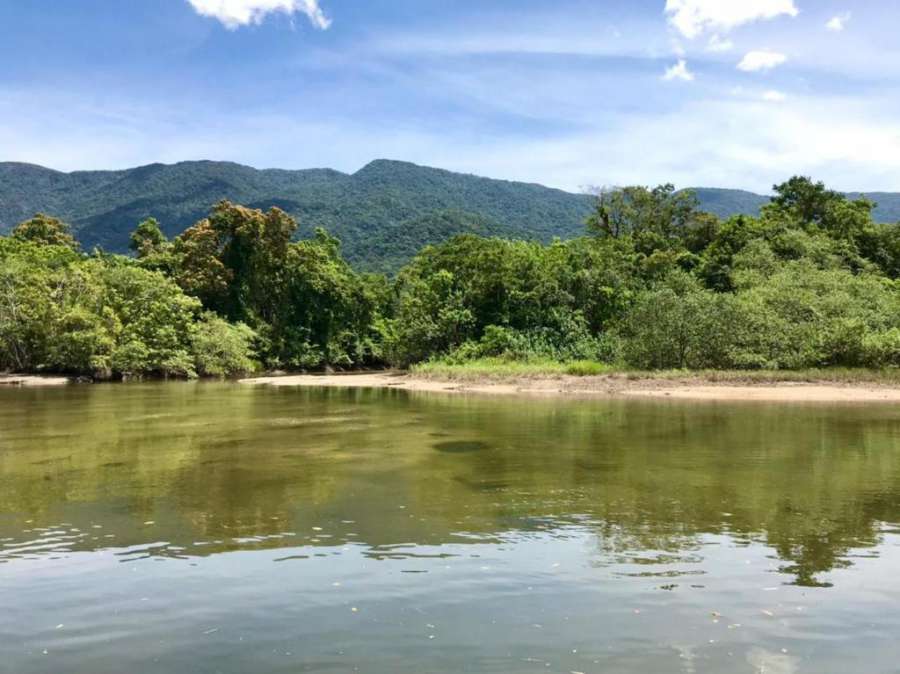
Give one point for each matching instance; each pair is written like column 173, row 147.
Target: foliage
column 221, row 348
column 384, row 214
column 491, row 297
column 101, row 316
column 637, row 211
column 45, row 229
column 502, row 368
column 656, row 283
column 679, row 324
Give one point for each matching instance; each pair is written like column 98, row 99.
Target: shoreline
column 695, row 387
column 32, row 380
column 602, row 386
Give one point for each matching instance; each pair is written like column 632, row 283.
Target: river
column 206, row 527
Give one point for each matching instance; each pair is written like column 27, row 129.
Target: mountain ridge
column 383, row 201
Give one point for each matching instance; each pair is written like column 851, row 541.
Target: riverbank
column 699, row 386
column 520, row 379
column 32, row 380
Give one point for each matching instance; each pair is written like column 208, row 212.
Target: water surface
column 219, row 528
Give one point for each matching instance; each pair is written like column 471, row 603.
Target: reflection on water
column 220, row 528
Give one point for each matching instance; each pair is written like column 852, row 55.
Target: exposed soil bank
column 31, row 380
column 604, row 385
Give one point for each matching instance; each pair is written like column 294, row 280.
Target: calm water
column 220, row 528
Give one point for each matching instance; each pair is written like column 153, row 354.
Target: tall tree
column 47, row 230
column 234, row 260
column 634, row 210
column 148, row 239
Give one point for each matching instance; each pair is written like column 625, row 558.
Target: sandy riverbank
column 31, row 380
column 604, row 385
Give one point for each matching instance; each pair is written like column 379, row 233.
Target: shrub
column 222, row 349
column 680, row 325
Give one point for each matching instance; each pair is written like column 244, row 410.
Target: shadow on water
column 461, row 446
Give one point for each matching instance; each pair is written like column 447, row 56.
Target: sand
column 602, row 386
column 31, row 380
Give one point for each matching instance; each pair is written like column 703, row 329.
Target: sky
column 567, row 93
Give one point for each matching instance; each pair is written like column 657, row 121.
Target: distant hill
column 383, row 204
column 725, row 203
column 383, row 213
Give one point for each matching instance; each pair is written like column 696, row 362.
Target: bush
column 882, row 349
column 804, row 316
column 221, row 349
column 680, row 325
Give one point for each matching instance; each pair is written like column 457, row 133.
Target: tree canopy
column 655, row 282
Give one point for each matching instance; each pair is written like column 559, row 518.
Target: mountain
column 384, row 202
column 383, row 213
column 725, row 203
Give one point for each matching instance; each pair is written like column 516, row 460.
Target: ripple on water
column 461, row 446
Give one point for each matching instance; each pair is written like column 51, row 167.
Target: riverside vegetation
column 654, row 283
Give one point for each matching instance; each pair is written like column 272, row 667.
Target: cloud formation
column 719, row 44
column 838, row 23
column 774, row 96
column 236, row 13
column 762, row 59
column 679, row 71
column 692, row 18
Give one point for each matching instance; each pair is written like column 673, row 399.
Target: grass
column 500, row 369
column 836, row 375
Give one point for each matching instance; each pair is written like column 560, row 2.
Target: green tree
column 46, row 230
column 222, row 349
column 148, row 239
column 637, row 210
column 813, row 206
column 680, row 324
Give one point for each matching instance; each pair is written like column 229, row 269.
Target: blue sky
column 569, row 93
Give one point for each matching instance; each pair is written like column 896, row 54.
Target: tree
column 200, row 271
column 679, row 324
column 148, row 239
column 807, row 201
column 812, row 206
column 222, row 349
column 233, row 260
column 662, row 211
column 46, row 230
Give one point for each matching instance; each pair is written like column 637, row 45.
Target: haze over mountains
column 383, row 213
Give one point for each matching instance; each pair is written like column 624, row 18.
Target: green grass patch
column 825, row 375
column 499, row 369
column 587, row 368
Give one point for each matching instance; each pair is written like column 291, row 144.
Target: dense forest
column 383, row 214
column 654, row 282
column 365, row 209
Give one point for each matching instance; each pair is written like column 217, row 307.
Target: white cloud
column 718, row 142
column 692, row 18
column 838, row 23
column 762, row 59
column 719, row 44
column 774, row 96
column 679, row 71
column 236, row 13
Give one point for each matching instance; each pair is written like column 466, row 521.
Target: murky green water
column 219, row 528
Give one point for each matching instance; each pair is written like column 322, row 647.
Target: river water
column 197, row 527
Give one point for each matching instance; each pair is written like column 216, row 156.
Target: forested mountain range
column 384, row 213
